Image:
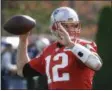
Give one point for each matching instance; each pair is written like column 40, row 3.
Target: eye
column 75, row 25
column 64, row 25
column 68, row 25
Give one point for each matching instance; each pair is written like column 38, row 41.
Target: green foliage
column 103, row 78
column 36, row 9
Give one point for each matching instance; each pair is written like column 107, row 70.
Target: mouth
column 72, row 37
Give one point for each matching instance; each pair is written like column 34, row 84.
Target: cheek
column 71, row 33
column 76, row 32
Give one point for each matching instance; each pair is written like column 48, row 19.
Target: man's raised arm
column 22, row 55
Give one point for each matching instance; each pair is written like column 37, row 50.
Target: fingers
column 61, row 29
column 24, row 37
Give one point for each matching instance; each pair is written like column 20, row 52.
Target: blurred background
column 96, row 22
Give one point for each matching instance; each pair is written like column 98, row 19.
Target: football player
column 70, row 62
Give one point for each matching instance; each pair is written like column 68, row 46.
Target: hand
column 24, row 37
column 64, row 36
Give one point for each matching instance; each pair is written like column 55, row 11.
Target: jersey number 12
column 55, row 74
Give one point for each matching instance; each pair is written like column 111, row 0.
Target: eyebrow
column 70, row 23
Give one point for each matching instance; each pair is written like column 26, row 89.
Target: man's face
column 73, row 29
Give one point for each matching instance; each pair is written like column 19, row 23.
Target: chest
column 60, row 58
column 60, row 65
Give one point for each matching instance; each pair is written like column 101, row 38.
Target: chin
column 61, row 42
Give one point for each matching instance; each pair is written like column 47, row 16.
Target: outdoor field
column 95, row 24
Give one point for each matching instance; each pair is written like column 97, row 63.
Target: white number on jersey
column 65, row 76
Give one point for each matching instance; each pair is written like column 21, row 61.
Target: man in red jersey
column 70, row 62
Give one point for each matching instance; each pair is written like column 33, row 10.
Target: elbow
column 19, row 72
column 98, row 63
column 94, row 63
column 98, row 66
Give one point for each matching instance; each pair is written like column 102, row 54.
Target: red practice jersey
column 63, row 69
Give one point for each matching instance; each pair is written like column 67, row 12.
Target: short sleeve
column 38, row 63
column 94, row 49
column 91, row 46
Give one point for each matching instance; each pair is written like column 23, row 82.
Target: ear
column 53, row 27
column 78, row 30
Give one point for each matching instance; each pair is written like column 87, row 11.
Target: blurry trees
column 41, row 10
column 103, row 78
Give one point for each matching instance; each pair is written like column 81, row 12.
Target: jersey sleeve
column 94, row 47
column 91, row 46
column 28, row 72
column 38, row 63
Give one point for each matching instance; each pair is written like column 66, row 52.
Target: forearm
column 22, row 56
column 89, row 58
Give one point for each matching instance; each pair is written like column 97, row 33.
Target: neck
column 59, row 45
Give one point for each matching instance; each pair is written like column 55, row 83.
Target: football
column 19, row 24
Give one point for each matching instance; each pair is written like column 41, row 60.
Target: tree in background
column 40, row 10
column 103, row 78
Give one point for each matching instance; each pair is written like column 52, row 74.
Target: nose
column 70, row 29
column 71, row 32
